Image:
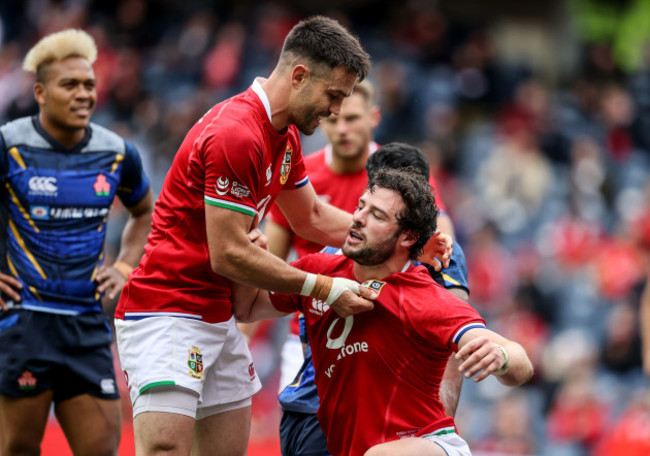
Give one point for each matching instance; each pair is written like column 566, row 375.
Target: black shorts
column 70, row 355
column 301, row 435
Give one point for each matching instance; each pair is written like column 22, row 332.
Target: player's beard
column 371, row 255
column 306, row 120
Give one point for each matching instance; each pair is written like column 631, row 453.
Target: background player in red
column 378, row 373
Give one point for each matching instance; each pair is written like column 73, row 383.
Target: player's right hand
column 348, row 303
column 9, row 286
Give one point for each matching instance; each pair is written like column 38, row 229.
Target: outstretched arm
column 233, row 255
column 485, row 352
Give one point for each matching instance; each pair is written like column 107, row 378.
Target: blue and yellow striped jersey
column 54, row 207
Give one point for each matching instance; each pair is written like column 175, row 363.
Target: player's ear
column 407, row 239
column 299, row 76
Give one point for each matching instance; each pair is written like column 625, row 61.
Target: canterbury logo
column 40, row 184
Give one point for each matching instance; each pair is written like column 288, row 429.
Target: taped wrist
column 317, row 286
column 506, row 362
column 123, row 268
column 326, row 288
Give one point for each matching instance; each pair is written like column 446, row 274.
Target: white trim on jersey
column 257, row 88
column 230, row 205
column 465, row 328
column 141, row 315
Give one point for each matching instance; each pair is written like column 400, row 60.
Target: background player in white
column 372, row 394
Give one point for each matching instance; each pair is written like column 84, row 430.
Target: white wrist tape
column 339, row 286
column 506, row 362
column 308, row 284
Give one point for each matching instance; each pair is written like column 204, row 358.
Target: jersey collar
column 257, row 88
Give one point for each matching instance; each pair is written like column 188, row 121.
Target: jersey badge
column 195, row 362
column 375, row 285
column 27, row 381
column 101, row 186
column 285, row 169
column 222, row 185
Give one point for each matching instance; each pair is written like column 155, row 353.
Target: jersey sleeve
column 232, row 170
column 134, row 184
column 440, row 318
column 436, row 193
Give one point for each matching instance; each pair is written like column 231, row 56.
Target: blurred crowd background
column 535, row 117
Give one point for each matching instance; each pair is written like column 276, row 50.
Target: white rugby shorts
column 451, row 442
column 210, row 359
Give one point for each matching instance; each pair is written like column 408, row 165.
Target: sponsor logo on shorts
column 195, row 363
column 375, row 285
column 239, row 190
column 251, row 372
column 222, row 185
column 107, row 385
column 126, row 377
column 285, row 169
column 27, row 381
column 101, row 186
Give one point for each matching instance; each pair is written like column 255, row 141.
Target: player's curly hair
column 421, row 213
column 323, row 40
column 58, row 46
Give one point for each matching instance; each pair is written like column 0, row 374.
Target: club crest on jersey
column 285, row 169
column 195, row 362
column 222, row 185
column 375, row 285
column 101, row 186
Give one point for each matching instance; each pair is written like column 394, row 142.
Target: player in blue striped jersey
column 60, row 174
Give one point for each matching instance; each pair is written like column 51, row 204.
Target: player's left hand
column 110, row 280
column 258, row 238
column 481, row 356
column 437, row 252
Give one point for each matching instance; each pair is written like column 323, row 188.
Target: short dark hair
column 420, row 213
column 397, row 155
column 324, row 41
